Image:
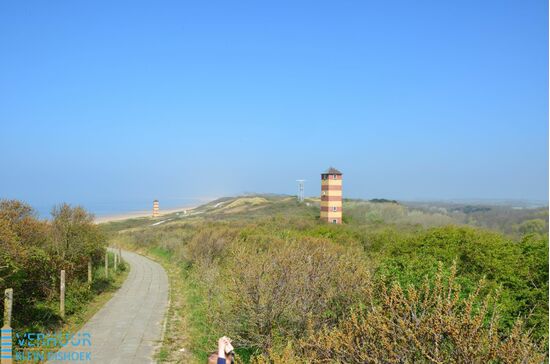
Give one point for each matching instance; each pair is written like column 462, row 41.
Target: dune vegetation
column 393, row 284
column 32, row 254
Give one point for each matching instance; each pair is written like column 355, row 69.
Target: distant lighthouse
column 156, row 208
column 331, row 196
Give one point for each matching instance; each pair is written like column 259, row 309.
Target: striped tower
column 5, row 347
column 156, row 208
column 331, row 196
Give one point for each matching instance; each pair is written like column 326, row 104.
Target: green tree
column 76, row 239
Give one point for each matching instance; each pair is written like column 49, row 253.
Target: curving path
column 129, row 327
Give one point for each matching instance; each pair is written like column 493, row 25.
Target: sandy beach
column 136, row 214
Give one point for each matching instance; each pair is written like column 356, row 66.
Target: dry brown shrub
column 208, row 245
column 271, row 292
column 285, row 356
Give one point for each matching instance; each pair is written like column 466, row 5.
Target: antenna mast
column 300, row 189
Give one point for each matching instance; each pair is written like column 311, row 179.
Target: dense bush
column 429, row 324
column 208, row 245
column 270, row 292
column 33, row 252
column 518, row 268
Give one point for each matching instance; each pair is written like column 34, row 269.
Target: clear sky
column 126, row 101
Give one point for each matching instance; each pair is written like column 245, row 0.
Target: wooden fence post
column 6, row 356
column 90, row 271
column 106, row 264
column 120, row 254
column 115, row 256
column 8, row 305
column 62, row 295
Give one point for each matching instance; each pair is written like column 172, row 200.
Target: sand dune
column 138, row 214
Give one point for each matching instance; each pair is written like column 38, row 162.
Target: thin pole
column 300, row 189
column 8, row 305
column 90, row 271
column 62, row 295
column 106, row 264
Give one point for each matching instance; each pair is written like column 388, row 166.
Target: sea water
column 100, row 209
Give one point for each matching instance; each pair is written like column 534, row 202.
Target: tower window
column 334, row 208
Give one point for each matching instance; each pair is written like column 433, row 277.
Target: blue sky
column 126, row 101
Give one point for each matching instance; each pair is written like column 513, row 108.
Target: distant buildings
column 156, row 208
column 331, row 196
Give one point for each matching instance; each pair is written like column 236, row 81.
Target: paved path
column 128, row 328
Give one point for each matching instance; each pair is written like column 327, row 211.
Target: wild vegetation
column 34, row 251
column 393, row 284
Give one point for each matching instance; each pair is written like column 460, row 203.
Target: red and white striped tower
column 156, row 208
column 331, row 196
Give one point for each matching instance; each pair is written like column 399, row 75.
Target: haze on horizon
column 124, row 102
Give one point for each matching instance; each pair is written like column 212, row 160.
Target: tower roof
column 332, row 170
